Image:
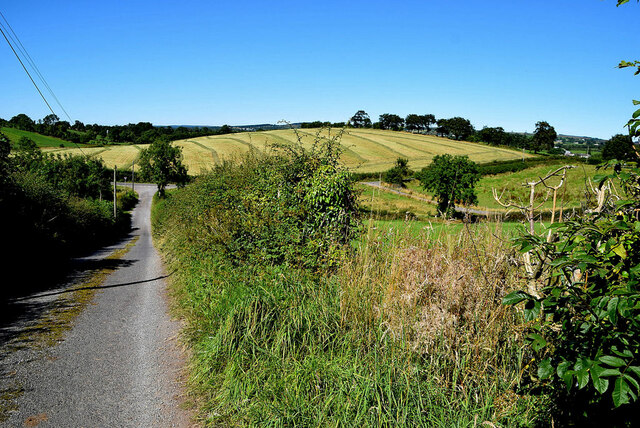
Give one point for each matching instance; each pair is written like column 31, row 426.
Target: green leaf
column 515, row 298
column 537, row 341
column 620, row 392
column 532, row 310
column 636, row 114
column 635, row 370
column 583, row 377
column 610, row 372
column 612, row 309
column 632, row 381
column 620, row 250
column 565, row 374
column 545, row 370
column 612, row 361
column 636, row 102
column 600, row 384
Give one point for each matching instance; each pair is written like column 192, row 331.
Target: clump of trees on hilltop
column 80, row 133
column 457, row 128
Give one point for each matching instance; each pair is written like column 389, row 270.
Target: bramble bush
column 585, row 324
column 293, row 206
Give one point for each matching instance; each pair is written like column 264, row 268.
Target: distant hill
column 575, row 139
column 241, row 128
column 364, row 150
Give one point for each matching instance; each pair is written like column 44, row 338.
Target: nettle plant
column 585, row 322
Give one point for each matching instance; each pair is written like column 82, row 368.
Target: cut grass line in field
column 384, row 153
column 349, row 156
column 368, row 150
column 214, row 154
column 196, row 157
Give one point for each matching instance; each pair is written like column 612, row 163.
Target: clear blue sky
column 495, row 62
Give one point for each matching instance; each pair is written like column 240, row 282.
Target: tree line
column 80, row 133
column 459, row 128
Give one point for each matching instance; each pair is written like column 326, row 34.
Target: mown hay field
column 364, row 150
column 121, row 156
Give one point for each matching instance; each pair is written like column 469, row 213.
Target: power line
column 25, row 69
column 31, row 62
column 33, row 65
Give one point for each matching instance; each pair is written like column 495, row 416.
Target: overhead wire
column 31, row 62
column 25, row 69
column 24, row 52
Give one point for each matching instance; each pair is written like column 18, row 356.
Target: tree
column 460, row 128
column 399, row 173
column 360, row 120
column 543, row 137
column 452, row 180
column 50, row 119
column 391, row 121
column 225, row 129
column 417, row 122
column 494, row 136
column 442, row 128
column 22, row 121
column 26, row 144
column 162, row 164
column 619, row 147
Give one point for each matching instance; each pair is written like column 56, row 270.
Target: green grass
column 381, row 203
column 511, row 183
column 14, row 136
column 408, row 330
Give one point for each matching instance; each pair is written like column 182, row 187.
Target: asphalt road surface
column 120, row 364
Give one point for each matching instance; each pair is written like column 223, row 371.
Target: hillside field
column 43, row 141
column 365, row 150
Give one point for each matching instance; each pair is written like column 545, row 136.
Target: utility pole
column 115, row 168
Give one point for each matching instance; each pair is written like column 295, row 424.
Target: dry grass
column 365, row 150
column 441, row 293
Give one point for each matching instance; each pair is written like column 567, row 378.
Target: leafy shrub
column 500, row 167
column 294, row 206
column 399, row 173
column 585, row 322
column 47, row 219
column 79, row 176
column 127, row 198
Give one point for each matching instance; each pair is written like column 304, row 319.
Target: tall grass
column 408, row 330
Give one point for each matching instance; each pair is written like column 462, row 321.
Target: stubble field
column 365, row 150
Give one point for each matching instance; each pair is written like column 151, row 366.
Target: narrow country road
column 119, row 364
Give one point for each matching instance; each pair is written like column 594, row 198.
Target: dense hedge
column 52, row 208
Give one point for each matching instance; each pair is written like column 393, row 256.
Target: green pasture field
column 382, row 203
column 513, row 184
column 421, row 221
column 364, row 150
column 435, row 229
column 14, row 136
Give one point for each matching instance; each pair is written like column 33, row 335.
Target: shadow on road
column 99, row 287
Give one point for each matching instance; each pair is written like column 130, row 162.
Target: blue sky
column 495, row 62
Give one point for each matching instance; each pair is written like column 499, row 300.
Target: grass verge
column 409, row 330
